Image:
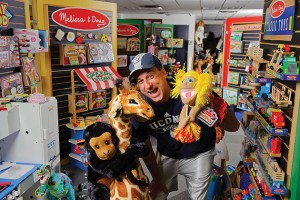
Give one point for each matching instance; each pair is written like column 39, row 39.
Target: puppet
column 54, row 185
column 199, row 35
column 110, row 174
column 194, row 90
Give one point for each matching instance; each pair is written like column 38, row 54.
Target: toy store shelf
column 70, row 126
column 76, row 157
column 264, row 146
column 273, row 131
column 285, row 77
column 253, row 79
column 258, row 193
column 268, row 180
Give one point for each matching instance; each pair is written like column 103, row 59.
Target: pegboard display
column 14, row 17
column 68, row 38
column 276, row 117
column 291, row 117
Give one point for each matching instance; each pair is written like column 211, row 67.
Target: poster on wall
column 279, row 23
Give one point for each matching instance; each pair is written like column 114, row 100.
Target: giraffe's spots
column 121, row 126
column 124, row 145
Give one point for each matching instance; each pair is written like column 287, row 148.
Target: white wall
column 179, row 19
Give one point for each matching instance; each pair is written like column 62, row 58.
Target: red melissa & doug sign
column 80, row 19
column 127, row 30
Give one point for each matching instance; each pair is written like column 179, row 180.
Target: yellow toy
column 194, row 90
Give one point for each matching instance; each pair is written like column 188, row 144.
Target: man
column 192, row 160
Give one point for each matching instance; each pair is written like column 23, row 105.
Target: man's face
column 153, row 84
column 219, row 134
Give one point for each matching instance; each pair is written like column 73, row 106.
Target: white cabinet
column 38, row 139
column 9, row 121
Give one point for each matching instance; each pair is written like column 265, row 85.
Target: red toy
column 275, row 146
column 277, row 118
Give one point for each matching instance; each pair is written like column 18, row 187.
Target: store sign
column 279, row 23
column 80, row 19
column 4, row 19
column 127, row 30
column 246, row 27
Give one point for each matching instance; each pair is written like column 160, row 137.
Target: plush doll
column 194, row 90
column 111, row 175
column 54, row 185
column 199, row 35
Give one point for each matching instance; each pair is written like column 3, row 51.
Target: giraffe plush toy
column 126, row 104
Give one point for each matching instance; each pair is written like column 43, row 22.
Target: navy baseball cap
column 143, row 61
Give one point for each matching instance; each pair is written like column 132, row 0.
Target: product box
column 29, row 71
column 177, row 43
column 97, row 99
column 73, row 54
column 32, row 41
column 236, row 46
column 81, row 102
column 100, row 52
column 9, row 52
column 11, row 84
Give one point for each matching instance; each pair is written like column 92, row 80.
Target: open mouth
column 187, row 93
column 152, row 92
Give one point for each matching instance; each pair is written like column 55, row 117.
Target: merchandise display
column 63, row 80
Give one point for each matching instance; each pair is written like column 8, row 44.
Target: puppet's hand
column 137, row 150
column 183, row 122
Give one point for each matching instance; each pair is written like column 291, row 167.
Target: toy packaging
column 72, row 54
column 30, row 41
column 97, row 99
column 99, row 52
column 133, row 44
column 29, row 71
column 11, row 84
column 81, row 102
column 9, row 52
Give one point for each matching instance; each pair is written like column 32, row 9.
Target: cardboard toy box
column 100, row 52
column 9, row 52
column 73, row 54
column 81, row 102
column 97, row 99
column 32, row 41
column 11, row 84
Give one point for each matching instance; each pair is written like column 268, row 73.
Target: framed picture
column 121, row 41
column 233, row 78
column 122, row 60
column 230, row 95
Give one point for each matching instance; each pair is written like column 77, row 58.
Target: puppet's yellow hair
column 203, row 85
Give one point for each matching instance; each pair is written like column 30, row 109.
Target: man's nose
column 148, row 83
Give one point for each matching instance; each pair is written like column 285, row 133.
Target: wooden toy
column 281, row 97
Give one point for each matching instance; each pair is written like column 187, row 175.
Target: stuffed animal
column 111, row 175
column 54, row 185
column 199, row 35
column 194, row 90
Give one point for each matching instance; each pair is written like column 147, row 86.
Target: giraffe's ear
column 115, row 110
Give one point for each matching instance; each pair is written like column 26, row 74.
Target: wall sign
column 127, row 30
column 80, row 19
column 5, row 15
column 279, row 23
column 246, row 27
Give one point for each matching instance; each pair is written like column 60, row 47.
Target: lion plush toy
column 110, row 174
